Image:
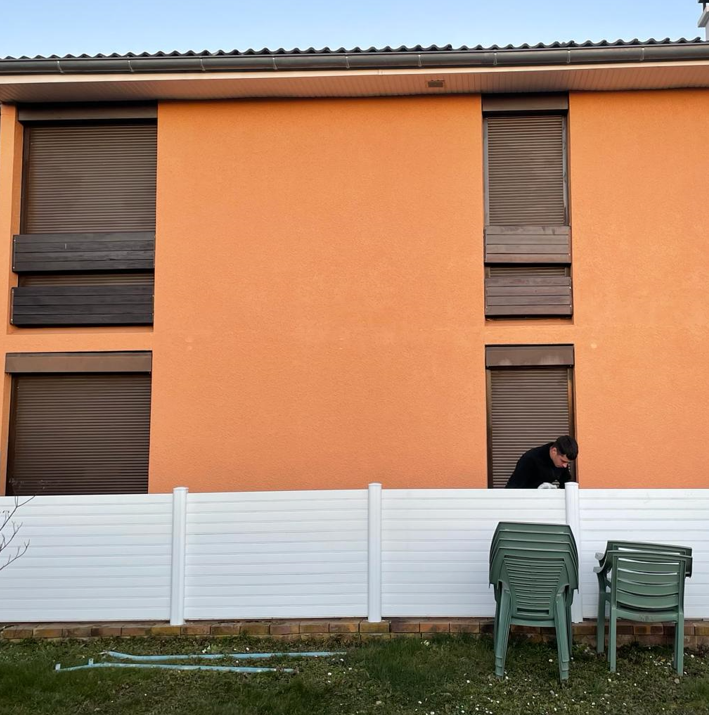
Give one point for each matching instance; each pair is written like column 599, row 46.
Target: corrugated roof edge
column 403, row 57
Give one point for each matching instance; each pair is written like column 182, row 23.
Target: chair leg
column 612, row 639
column 502, row 635
column 569, row 628
column 503, row 641
column 601, row 617
column 562, row 638
column 679, row 645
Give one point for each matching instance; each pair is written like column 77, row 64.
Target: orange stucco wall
column 325, row 256
column 641, row 280
column 319, row 293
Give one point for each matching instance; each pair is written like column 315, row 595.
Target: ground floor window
column 79, row 433
column 530, row 402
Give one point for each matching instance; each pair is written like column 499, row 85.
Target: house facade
column 317, row 270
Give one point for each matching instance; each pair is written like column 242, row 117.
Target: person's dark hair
column 567, row 446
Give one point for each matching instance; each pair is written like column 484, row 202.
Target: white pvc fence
column 314, row 554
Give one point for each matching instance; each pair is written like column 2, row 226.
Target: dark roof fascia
column 401, row 58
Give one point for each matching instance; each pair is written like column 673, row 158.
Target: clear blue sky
column 91, row 26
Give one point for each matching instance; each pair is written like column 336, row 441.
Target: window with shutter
column 87, row 178
column 79, row 433
column 529, row 403
column 88, row 206
column 526, row 206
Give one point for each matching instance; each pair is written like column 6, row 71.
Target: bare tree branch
column 7, row 518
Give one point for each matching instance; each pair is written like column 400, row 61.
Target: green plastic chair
column 534, row 536
column 534, row 578
column 648, row 587
column 604, row 570
column 530, row 535
column 536, row 557
column 533, row 595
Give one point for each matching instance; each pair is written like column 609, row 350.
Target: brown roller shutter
column 79, row 434
column 526, row 170
column 528, row 407
column 83, row 178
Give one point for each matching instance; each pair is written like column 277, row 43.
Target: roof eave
column 343, row 82
column 305, row 61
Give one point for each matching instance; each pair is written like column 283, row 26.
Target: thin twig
column 5, row 541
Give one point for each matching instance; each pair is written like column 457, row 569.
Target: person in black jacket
column 548, row 463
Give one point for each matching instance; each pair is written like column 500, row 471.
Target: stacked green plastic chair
column 543, row 536
column 642, row 582
column 534, row 571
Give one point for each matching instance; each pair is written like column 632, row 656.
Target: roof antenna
column 704, row 19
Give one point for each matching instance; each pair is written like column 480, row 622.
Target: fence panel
column 436, row 546
column 667, row 516
column 300, row 554
column 90, row 558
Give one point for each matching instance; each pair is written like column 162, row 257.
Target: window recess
column 88, row 209
column 526, row 205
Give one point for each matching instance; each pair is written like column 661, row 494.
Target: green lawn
column 444, row 675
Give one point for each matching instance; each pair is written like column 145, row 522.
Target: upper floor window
column 88, row 207
column 526, row 204
column 90, row 178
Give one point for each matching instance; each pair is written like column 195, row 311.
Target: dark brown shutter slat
column 527, row 409
column 80, row 434
column 110, row 251
column 502, row 271
column 527, row 290
column 526, row 172
column 528, row 244
column 85, row 279
column 37, row 306
column 88, row 178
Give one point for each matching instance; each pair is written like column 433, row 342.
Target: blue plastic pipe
column 215, row 656
column 221, row 668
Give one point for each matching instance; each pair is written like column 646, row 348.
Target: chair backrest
column 536, row 561
column 648, row 581
column 533, row 593
column 555, row 537
column 531, row 527
column 522, row 527
column 521, row 539
column 616, row 545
